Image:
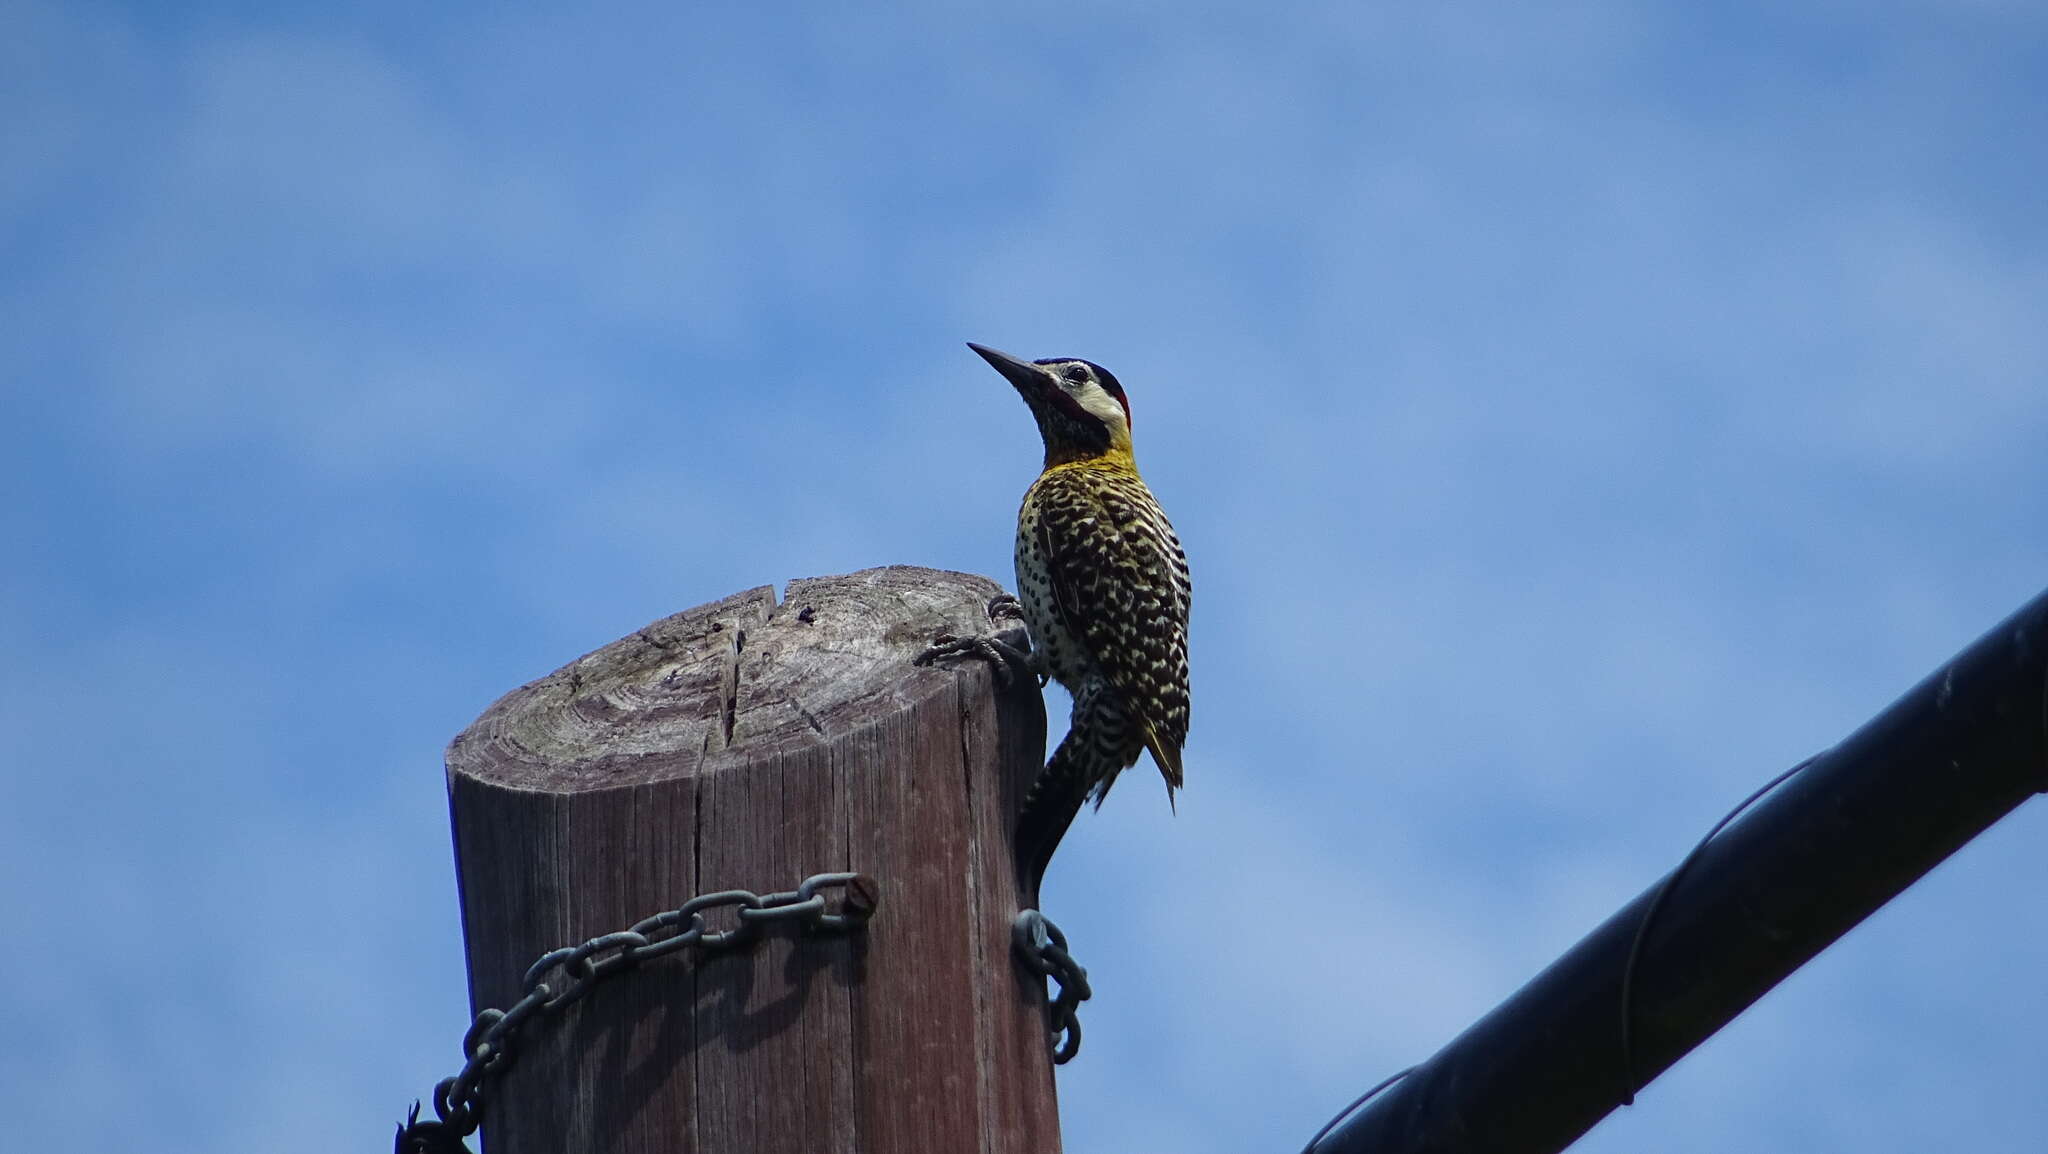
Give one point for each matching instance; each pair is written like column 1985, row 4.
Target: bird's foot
column 1006, row 651
column 1001, row 650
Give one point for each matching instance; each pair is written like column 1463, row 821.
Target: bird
column 1103, row 590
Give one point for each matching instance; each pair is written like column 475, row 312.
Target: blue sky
column 1574, row 414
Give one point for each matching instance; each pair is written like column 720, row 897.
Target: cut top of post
column 689, row 692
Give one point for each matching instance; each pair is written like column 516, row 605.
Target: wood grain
column 749, row 743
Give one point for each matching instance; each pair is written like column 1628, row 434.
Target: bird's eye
column 1075, row 374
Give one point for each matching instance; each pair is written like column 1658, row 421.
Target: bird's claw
column 1007, row 650
column 948, row 648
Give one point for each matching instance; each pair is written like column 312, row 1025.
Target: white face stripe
column 1090, row 395
column 1096, row 400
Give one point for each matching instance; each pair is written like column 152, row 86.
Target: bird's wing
column 1120, row 585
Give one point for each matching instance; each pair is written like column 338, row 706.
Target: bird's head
column 1081, row 409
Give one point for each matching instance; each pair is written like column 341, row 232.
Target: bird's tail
column 1049, row 807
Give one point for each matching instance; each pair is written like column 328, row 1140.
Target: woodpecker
column 1103, row 589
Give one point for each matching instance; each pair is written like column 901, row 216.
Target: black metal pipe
column 1845, row 835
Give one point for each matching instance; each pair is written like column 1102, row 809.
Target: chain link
column 489, row 1044
column 1044, row 949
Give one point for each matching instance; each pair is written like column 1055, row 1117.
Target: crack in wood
column 731, row 705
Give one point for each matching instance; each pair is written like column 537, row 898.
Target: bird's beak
column 1028, row 378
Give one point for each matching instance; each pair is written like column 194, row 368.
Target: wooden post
column 748, row 744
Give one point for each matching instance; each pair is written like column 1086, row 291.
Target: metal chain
column 1044, row 949
column 489, row 1045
